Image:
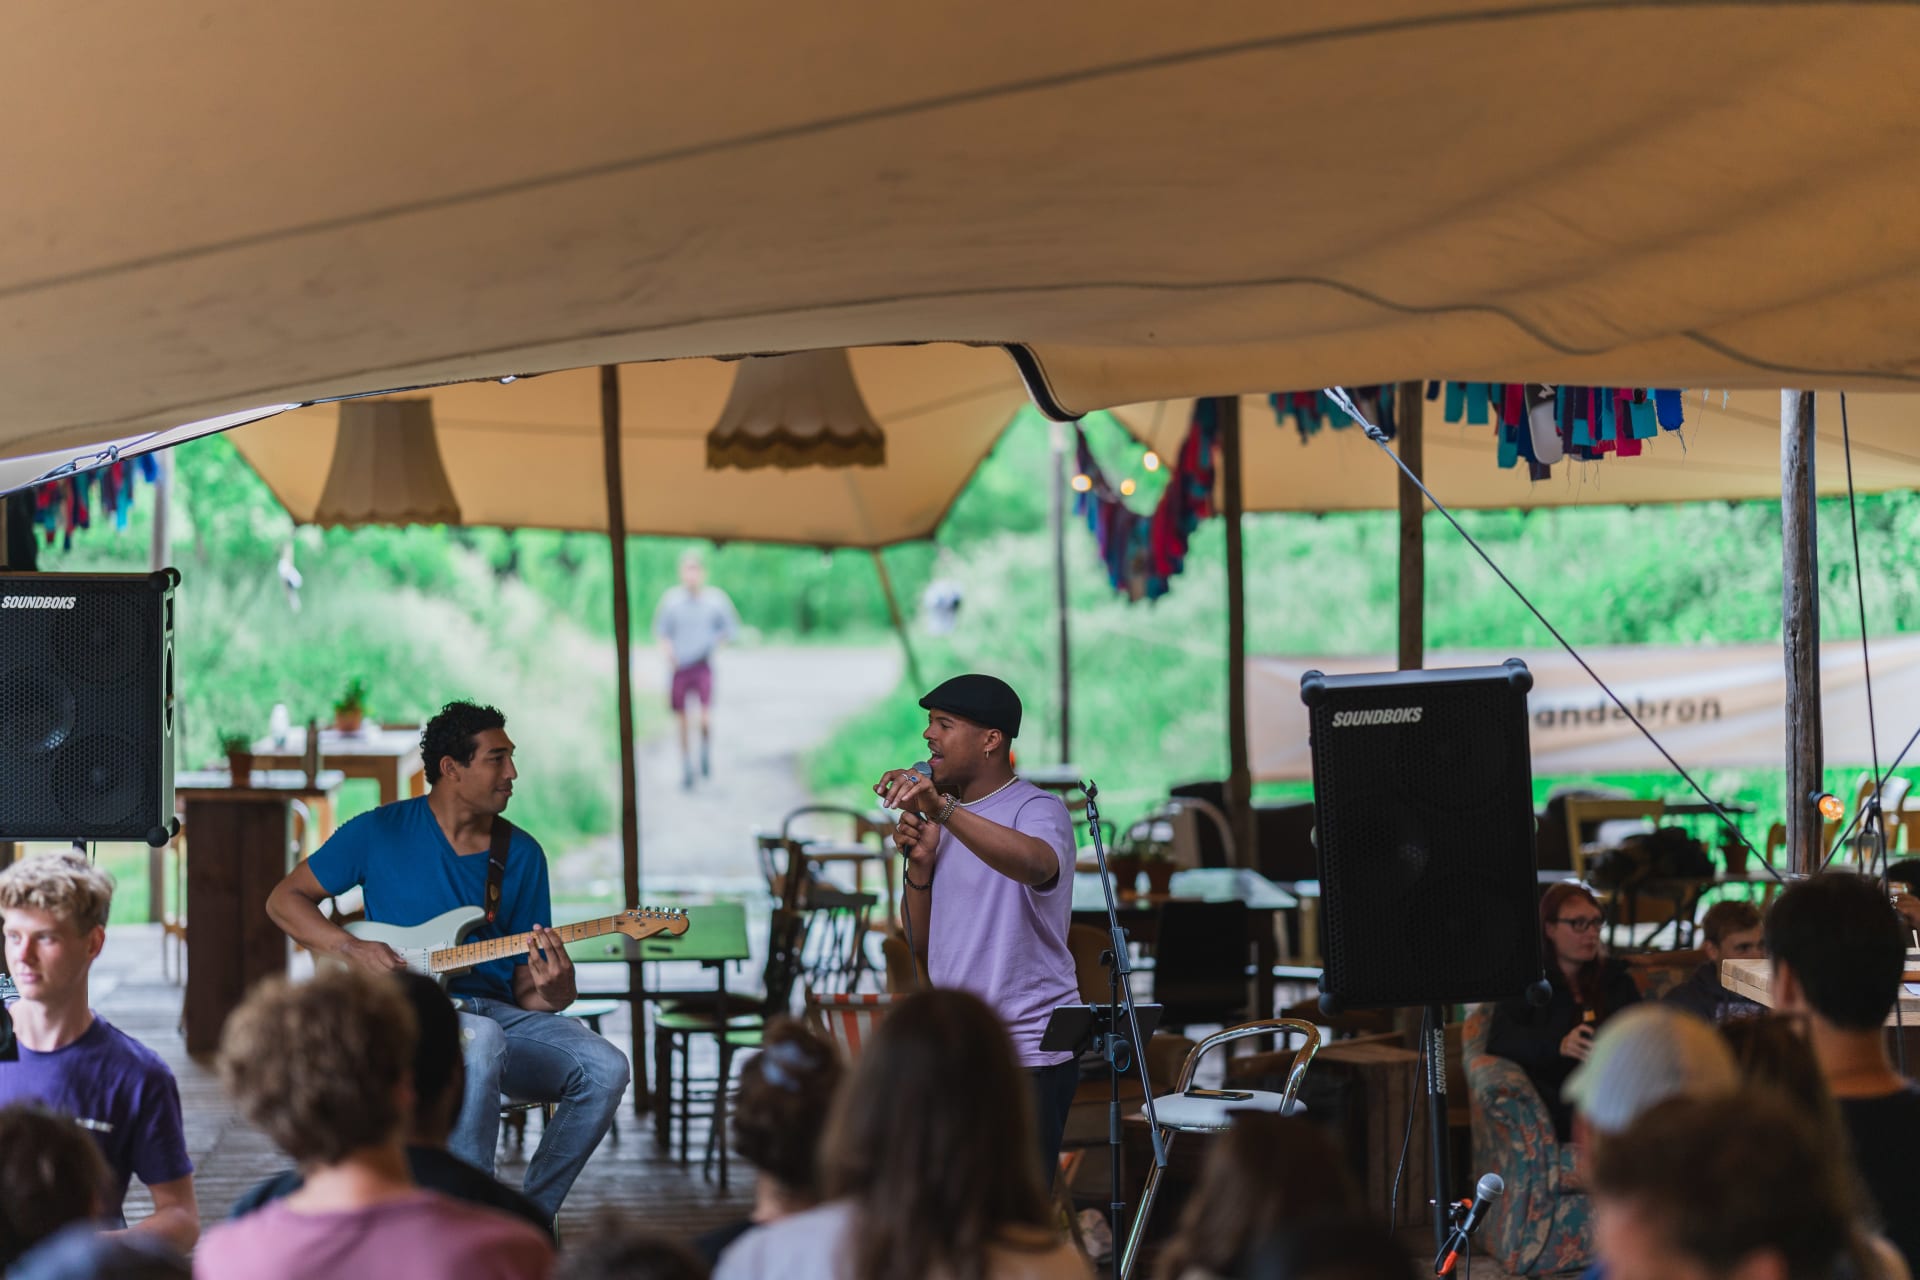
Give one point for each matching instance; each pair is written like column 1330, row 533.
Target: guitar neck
column 515, row 944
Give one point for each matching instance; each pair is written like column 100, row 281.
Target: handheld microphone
column 922, row 767
column 1485, row 1192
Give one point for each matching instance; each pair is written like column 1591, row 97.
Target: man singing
column 1001, row 851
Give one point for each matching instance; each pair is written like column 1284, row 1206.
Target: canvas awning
column 213, row 205
column 1726, row 452
column 1712, row 706
column 529, row 454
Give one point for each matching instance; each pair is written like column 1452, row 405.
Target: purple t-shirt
column 425, row 1236
column 1002, row 940
column 120, row 1092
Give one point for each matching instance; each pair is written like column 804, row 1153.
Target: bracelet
column 924, row 888
column 947, row 812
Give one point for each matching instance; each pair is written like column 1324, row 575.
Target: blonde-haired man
column 53, row 914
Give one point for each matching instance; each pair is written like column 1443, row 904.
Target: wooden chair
column 847, row 1018
column 1581, row 810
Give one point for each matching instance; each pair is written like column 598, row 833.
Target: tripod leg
column 1137, row 1229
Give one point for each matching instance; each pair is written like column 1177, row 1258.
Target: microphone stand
column 1117, row 1047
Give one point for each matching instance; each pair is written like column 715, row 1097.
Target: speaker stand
column 1436, row 1032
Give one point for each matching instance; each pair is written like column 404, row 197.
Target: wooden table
column 1754, row 980
column 240, row 844
column 390, row 758
column 1140, row 913
column 716, row 936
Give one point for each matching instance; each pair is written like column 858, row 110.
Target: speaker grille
column 1425, row 832
column 86, row 751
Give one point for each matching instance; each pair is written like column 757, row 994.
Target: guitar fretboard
column 515, row 944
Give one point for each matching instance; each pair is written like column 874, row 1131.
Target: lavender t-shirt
column 424, row 1236
column 120, row 1092
column 1002, row 940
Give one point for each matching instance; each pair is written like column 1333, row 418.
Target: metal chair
column 1183, row 1112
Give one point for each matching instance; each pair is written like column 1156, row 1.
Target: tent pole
column 1413, row 547
column 1057, row 520
column 1800, row 630
column 1239, row 776
column 161, row 550
column 622, row 634
column 899, row 619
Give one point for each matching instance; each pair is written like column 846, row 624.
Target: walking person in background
column 692, row 620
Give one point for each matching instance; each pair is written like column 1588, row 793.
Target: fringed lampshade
column 800, row 410
column 386, row 468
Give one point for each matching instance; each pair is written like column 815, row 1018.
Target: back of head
column 1267, row 1175
column 321, row 1066
column 616, row 1250
column 785, row 1092
column 437, row 1074
column 63, row 885
column 1330, row 1250
column 1719, row 1180
column 933, row 1140
column 1641, row 1057
column 51, row 1174
column 1840, row 936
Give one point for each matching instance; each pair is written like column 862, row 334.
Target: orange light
column 1082, row 483
column 1830, row 807
column 1126, row 488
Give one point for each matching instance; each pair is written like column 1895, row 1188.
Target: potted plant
column 1735, row 853
column 1124, row 862
column 238, row 748
column 351, row 708
column 1159, row 866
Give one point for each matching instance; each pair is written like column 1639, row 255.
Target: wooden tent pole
column 1413, row 547
column 899, row 619
column 1800, row 630
column 1239, row 775
column 622, row 634
column 1057, row 520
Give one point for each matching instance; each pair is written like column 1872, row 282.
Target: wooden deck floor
column 628, row 1176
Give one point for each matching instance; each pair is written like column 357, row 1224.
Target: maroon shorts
column 696, row 680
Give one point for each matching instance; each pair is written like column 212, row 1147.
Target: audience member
column 1838, row 951
column 323, row 1069
column 776, row 1123
column 53, row 1181
column 55, row 908
column 1729, row 931
column 1267, row 1175
column 439, row 1082
column 1548, row 1041
column 1331, row 1251
column 615, row 1250
column 928, row 1163
column 1646, row 1055
column 1732, row 1188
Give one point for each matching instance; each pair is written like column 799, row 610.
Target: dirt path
column 771, row 704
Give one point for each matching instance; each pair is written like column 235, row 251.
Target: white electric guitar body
column 438, row 947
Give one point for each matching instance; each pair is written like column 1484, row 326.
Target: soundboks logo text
column 1386, row 715
column 37, row 602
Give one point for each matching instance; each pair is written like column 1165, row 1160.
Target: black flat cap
column 985, row 700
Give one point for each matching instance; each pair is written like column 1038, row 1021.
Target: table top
column 288, row 780
column 1694, row 808
column 1754, row 980
column 368, row 740
column 716, row 933
column 1198, row 884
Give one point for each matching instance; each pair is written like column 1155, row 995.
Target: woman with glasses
column 1587, row 988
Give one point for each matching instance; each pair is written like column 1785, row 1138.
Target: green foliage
column 236, row 743
column 353, row 698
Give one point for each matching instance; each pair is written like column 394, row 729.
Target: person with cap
column 989, row 880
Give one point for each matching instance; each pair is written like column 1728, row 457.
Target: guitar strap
column 497, row 863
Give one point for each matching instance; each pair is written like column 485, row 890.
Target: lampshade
column 386, row 467
column 799, row 410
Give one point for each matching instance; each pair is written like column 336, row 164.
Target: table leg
column 637, row 1001
column 1266, row 955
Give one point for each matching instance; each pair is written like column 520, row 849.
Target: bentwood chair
column 1191, row 1110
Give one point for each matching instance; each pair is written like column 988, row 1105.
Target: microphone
column 1485, row 1192
column 922, row 767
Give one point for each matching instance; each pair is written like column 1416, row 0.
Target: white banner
column 1710, row 706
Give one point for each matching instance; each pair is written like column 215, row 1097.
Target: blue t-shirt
column 120, row 1092
column 400, row 857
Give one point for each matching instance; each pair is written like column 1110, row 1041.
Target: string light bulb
column 1151, row 462
column 1082, row 482
column 1829, row 805
column 1126, row 487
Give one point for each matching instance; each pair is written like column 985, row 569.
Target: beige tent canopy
column 1729, row 450
column 529, row 454
column 214, row 205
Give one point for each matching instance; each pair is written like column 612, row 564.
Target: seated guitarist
column 419, row 858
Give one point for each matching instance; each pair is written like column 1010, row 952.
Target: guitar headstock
column 650, row 922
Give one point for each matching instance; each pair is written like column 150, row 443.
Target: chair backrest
column 1580, row 810
column 786, row 937
column 1200, row 961
column 836, row 928
column 1087, row 944
column 905, row 973
column 847, row 1018
column 1310, row 1036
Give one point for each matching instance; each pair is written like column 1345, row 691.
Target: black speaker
column 86, row 706
column 1423, row 808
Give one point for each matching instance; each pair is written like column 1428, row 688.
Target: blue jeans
column 536, row 1057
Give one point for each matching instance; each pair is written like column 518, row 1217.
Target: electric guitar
column 436, row 947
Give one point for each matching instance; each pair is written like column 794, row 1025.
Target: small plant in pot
column 1125, row 863
column 351, row 709
column 238, row 748
column 1159, row 866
